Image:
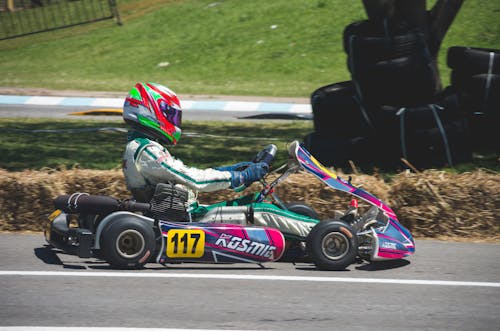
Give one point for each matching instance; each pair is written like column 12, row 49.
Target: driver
column 154, row 113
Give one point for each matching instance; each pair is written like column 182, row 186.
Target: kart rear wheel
column 127, row 243
column 332, row 245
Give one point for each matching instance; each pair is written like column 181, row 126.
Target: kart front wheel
column 127, row 243
column 302, row 209
column 332, row 245
column 295, row 250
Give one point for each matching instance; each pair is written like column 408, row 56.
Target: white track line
column 49, row 101
column 78, row 328
column 247, row 277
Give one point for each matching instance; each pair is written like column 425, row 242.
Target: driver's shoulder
column 139, row 146
column 150, row 147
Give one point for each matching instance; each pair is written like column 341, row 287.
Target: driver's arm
column 154, row 162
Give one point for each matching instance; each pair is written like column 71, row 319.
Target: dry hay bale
column 96, row 182
column 27, row 196
column 430, row 204
column 436, row 203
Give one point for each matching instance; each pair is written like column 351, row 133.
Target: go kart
column 128, row 234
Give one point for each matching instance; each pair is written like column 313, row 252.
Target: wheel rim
column 130, row 244
column 335, row 245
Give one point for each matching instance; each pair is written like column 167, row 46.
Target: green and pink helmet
column 154, row 110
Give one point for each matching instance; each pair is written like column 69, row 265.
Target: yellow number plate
column 185, row 243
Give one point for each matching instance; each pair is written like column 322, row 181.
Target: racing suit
column 147, row 163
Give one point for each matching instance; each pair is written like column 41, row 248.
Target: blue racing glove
column 235, row 167
column 252, row 173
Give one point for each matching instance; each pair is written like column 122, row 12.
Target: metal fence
column 24, row 17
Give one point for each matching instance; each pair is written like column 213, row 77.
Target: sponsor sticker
column 245, row 245
column 54, row 214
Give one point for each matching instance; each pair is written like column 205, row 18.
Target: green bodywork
column 198, row 211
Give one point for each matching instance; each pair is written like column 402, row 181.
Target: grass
column 203, row 144
column 258, row 47
column 24, row 149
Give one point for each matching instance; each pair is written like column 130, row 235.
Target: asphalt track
column 210, row 108
column 445, row 285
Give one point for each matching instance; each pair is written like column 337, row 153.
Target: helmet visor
column 173, row 115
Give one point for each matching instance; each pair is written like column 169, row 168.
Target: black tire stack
column 394, row 106
column 475, row 78
column 390, row 64
column 428, row 135
column 342, row 130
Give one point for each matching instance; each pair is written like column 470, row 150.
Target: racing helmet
column 154, row 110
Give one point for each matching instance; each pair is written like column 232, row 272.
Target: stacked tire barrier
column 390, row 64
column 342, row 128
column 427, row 135
column 394, row 106
column 475, row 78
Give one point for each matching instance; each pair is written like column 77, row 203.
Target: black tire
column 332, row 245
column 369, row 42
column 484, row 134
column 127, row 243
column 479, row 94
column 294, row 249
column 474, row 60
column 460, row 80
column 400, row 81
column 339, row 151
column 339, row 116
column 302, row 209
column 417, row 118
column 336, row 113
column 484, row 93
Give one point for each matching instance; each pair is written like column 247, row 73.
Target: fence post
column 10, row 5
column 114, row 11
column 56, row 14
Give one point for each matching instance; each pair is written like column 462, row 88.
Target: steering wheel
column 266, row 155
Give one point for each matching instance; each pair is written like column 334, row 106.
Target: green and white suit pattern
column 147, row 163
